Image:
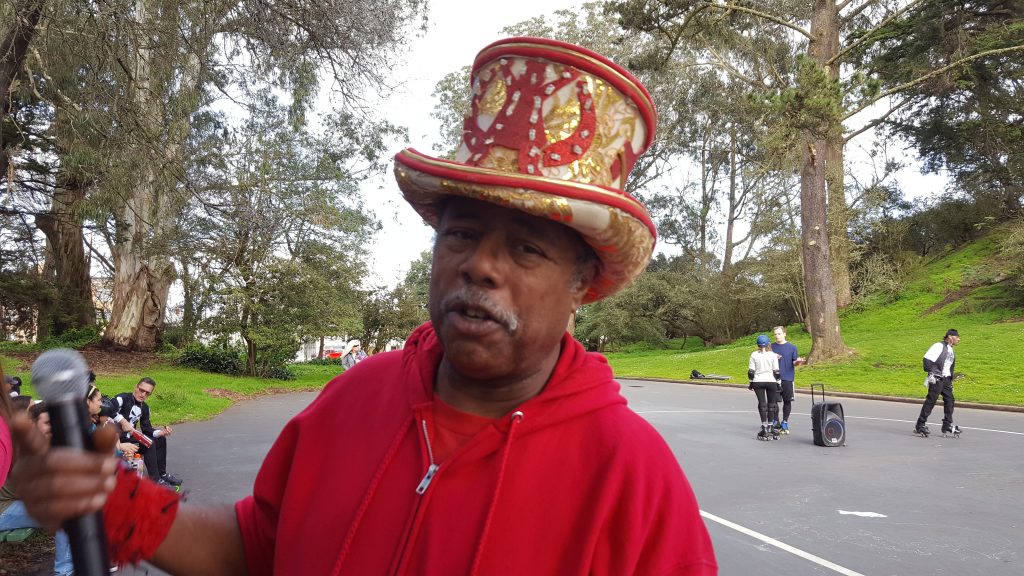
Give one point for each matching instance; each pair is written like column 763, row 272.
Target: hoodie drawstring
column 389, row 456
column 517, row 417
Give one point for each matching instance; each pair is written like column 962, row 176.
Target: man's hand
column 167, row 431
column 128, row 448
column 750, row 385
column 126, row 425
column 60, row 483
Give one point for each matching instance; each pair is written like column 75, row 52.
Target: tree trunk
column 141, row 282
column 320, row 352
column 823, row 315
column 730, row 223
column 838, row 211
column 66, row 266
column 838, row 220
column 822, row 310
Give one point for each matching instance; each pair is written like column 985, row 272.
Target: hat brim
column 615, row 225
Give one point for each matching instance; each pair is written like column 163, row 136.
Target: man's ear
column 582, row 280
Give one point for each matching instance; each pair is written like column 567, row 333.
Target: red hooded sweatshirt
column 572, row 482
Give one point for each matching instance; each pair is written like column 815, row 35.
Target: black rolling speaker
column 827, row 421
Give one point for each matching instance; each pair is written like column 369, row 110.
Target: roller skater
column 767, row 433
column 939, row 362
column 788, row 358
column 763, row 375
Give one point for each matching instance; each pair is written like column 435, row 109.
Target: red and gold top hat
column 553, row 130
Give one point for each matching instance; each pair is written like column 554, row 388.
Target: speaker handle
column 820, row 387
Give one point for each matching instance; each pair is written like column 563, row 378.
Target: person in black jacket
column 131, row 410
column 939, row 362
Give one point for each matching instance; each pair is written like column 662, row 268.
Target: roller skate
column 953, row 431
column 765, row 433
column 922, row 431
column 785, row 428
column 774, row 433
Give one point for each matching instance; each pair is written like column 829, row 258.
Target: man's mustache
column 467, row 297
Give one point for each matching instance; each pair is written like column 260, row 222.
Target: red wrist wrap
column 137, row 517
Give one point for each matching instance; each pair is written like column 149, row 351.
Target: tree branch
column 107, row 265
column 868, row 35
column 856, row 11
column 759, row 14
column 878, row 120
column 933, row 73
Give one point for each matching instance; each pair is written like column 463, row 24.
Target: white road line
column 932, row 423
column 641, row 412
column 693, row 411
column 781, row 545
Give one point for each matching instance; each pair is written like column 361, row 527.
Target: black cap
column 952, row 332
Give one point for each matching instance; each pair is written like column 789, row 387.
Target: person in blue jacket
column 788, row 358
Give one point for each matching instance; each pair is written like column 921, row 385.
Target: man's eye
column 459, row 233
column 531, row 249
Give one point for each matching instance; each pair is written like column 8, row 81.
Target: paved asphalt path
column 887, row 503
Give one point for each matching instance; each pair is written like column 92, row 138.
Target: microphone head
column 60, row 374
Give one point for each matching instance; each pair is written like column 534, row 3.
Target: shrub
column 279, row 373
column 216, row 359
column 323, row 362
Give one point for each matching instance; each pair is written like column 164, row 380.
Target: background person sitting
column 12, row 511
column 132, row 409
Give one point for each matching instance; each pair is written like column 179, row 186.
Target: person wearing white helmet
column 353, row 354
column 763, row 375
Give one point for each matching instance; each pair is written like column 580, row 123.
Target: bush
column 216, row 359
column 176, row 336
column 323, row 362
column 76, row 338
column 279, row 373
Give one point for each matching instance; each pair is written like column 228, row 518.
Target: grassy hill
column 961, row 290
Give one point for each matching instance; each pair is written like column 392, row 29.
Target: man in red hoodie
column 493, row 443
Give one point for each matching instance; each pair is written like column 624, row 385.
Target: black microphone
column 61, row 377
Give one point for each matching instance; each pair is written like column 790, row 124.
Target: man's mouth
column 477, row 307
column 476, row 314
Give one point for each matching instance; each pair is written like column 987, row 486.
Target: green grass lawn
column 888, row 341
column 184, row 394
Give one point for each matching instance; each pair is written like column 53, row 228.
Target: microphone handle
column 70, row 423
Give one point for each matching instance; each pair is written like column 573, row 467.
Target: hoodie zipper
column 432, row 468
column 421, row 490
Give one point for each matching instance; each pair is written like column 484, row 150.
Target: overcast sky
column 453, row 37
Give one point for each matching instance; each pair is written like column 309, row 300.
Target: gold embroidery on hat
column 493, row 100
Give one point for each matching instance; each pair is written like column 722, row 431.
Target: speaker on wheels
column 827, row 421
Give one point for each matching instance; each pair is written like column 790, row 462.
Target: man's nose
column 485, row 263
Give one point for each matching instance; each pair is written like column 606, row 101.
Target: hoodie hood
column 580, row 383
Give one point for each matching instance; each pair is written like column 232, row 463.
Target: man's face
column 502, row 289
column 142, row 391
column 954, row 340
column 780, row 335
